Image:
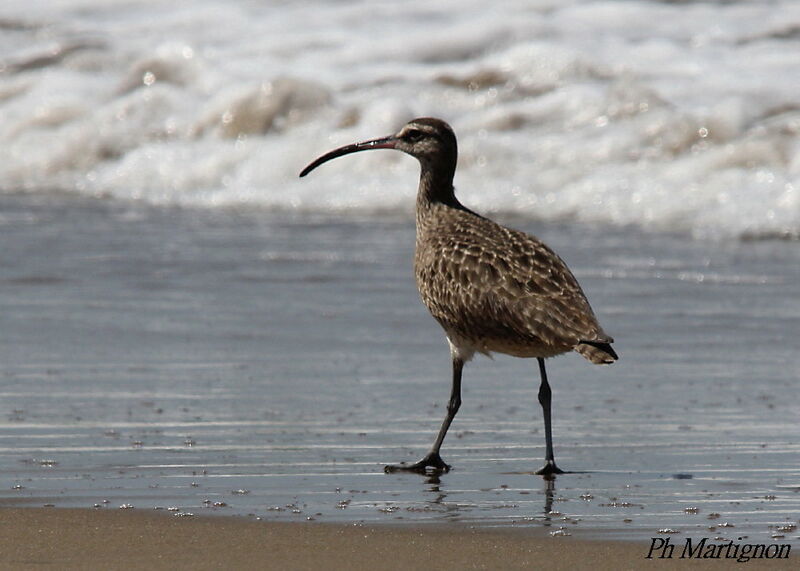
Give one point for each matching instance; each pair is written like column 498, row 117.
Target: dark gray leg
column 545, row 395
column 433, row 461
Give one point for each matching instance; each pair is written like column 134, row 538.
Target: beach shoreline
column 237, row 364
column 39, row 538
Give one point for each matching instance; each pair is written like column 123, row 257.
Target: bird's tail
column 598, row 352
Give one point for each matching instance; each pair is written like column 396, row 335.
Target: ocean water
column 187, row 325
column 675, row 116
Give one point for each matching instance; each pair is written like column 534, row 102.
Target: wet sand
column 234, row 363
column 87, row 539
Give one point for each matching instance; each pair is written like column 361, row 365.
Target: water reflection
column 458, row 505
column 549, row 491
column 437, row 495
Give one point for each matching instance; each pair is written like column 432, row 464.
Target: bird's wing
column 504, row 282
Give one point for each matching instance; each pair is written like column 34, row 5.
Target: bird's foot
column 431, row 464
column 549, row 469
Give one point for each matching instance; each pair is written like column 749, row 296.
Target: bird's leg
column 432, row 460
column 545, row 395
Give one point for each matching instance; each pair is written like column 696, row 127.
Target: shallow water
column 271, row 364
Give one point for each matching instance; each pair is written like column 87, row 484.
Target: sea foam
column 678, row 117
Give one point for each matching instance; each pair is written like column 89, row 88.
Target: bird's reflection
column 436, row 494
column 434, row 487
column 549, row 492
column 434, row 480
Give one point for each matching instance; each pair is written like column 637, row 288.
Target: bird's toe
column 549, row 469
column 432, row 463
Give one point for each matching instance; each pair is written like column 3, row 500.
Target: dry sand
column 87, row 539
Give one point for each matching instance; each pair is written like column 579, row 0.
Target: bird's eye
column 413, row 135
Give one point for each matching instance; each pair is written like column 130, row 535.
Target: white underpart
column 461, row 349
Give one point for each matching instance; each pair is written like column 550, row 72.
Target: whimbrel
column 492, row 289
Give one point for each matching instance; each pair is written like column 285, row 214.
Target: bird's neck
column 435, row 188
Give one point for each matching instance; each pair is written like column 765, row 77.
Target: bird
column 491, row 288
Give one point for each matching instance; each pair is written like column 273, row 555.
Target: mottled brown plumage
column 492, row 289
column 499, row 290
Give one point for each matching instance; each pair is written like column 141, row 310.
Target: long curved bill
column 382, row 143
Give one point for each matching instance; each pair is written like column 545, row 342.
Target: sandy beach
column 86, row 539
